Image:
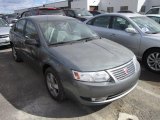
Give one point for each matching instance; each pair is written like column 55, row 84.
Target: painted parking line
column 148, row 92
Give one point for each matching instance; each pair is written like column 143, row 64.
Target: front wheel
column 54, row 85
column 152, row 60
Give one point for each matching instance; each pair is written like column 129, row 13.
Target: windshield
column 3, row 23
column 65, row 31
column 50, row 12
column 147, row 25
column 83, row 13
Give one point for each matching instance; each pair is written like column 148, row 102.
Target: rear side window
column 19, row 27
column 70, row 13
column 102, row 21
column 153, row 11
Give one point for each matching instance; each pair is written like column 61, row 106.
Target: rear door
column 101, row 26
column 18, row 35
column 31, row 51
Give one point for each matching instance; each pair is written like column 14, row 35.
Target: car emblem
column 125, row 70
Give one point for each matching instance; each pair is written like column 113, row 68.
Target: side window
column 157, row 19
column 153, row 11
column 19, row 27
column 31, row 31
column 102, row 21
column 120, row 24
column 70, row 13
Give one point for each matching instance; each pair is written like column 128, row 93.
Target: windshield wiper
column 61, row 43
column 152, row 32
column 88, row 39
column 156, row 32
column 73, row 41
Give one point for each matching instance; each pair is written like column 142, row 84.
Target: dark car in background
column 95, row 12
column 80, row 14
column 42, row 11
column 74, row 59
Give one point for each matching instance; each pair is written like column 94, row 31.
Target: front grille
column 4, row 36
column 123, row 72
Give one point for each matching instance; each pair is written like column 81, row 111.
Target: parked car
column 125, row 11
column 4, row 33
column 74, row 59
column 42, row 11
column 94, row 12
column 154, row 10
column 136, row 32
column 80, row 14
column 155, row 17
column 9, row 17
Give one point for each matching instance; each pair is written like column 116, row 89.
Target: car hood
column 4, row 30
column 95, row 55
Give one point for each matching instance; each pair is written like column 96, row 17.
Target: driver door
column 119, row 35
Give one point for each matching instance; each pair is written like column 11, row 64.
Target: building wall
column 132, row 4
column 57, row 4
column 79, row 4
column 152, row 3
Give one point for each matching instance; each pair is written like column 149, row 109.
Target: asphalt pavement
column 23, row 96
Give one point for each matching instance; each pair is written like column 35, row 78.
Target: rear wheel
column 54, row 85
column 15, row 55
column 152, row 60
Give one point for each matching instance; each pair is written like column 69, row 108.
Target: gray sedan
column 137, row 32
column 4, row 33
column 74, row 59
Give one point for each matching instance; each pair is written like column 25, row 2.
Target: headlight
column 91, row 76
column 135, row 61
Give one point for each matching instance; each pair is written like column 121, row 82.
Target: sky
column 8, row 6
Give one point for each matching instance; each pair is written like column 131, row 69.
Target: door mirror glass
column 131, row 30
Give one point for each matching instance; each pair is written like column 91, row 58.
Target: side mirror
column 79, row 15
column 14, row 21
column 31, row 42
column 11, row 25
column 131, row 30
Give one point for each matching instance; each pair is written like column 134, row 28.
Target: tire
column 15, row 55
column 54, row 85
column 152, row 60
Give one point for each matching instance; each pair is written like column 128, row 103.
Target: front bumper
column 104, row 92
column 4, row 41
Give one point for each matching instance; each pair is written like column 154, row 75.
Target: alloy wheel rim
column 153, row 61
column 52, row 84
column 14, row 53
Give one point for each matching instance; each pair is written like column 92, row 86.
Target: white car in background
column 4, row 33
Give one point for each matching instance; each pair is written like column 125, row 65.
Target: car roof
column 40, row 18
column 154, row 15
column 123, row 14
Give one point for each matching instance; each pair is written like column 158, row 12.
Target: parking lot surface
column 23, row 96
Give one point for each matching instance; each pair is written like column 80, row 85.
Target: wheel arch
column 148, row 50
